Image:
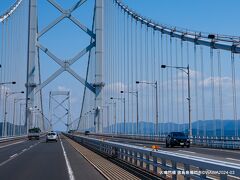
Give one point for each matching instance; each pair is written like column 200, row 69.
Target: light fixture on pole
column 186, row 70
column 136, row 94
column 7, row 94
column 124, row 112
column 156, row 101
column 14, row 107
column 3, row 83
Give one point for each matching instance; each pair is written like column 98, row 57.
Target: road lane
column 7, row 151
column 46, row 161
column 218, row 154
column 82, row 169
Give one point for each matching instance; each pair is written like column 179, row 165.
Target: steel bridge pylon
column 60, row 100
column 34, row 45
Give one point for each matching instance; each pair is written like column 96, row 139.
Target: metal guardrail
column 7, row 139
column 211, row 142
column 163, row 163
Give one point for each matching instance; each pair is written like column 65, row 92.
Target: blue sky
column 202, row 15
column 218, row 16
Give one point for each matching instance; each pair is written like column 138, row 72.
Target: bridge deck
column 110, row 170
column 39, row 160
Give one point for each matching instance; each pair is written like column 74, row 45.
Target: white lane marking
column 233, row 159
column 187, row 151
column 70, row 172
column 24, row 150
column 11, row 144
column 14, row 155
column 222, row 150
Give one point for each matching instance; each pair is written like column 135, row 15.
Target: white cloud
column 225, row 81
column 115, row 87
column 62, row 88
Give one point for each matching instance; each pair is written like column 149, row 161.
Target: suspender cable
column 128, row 73
column 213, row 92
column 125, row 58
column 162, row 89
column 131, row 81
column 183, row 97
column 136, row 77
column 171, row 85
column 140, row 90
column 234, row 94
column 147, row 78
column 177, row 83
column 220, row 93
column 196, row 87
column 203, row 93
column 168, row 114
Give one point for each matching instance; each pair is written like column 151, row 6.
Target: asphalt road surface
column 38, row 160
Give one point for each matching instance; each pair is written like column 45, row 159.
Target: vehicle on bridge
column 87, row 133
column 177, row 139
column 51, row 136
column 34, row 133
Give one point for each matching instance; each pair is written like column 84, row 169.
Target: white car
column 51, row 136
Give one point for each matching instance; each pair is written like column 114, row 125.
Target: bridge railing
column 7, row 139
column 163, row 163
column 211, row 142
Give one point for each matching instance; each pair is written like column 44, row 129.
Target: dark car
column 87, row 132
column 177, row 139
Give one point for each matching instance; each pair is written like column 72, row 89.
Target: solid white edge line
column 98, row 169
column 70, row 172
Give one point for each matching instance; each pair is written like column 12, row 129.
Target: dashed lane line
column 14, row 155
column 12, row 144
column 187, row 151
column 17, row 154
column 233, row 159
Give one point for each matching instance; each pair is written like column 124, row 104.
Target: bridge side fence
column 211, row 142
column 163, row 163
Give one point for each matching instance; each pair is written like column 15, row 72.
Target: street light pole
column 14, row 113
column 13, row 82
column 189, row 104
column 20, row 126
column 5, row 110
column 124, row 112
column 136, row 94
column 107, row 117
column 156, row 88
column 186, row 70
column 156, row 101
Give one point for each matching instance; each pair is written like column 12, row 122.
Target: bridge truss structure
column 125, row 89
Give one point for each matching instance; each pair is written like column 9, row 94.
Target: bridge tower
column 34, row 46
column 60, row 100
column 31, row 63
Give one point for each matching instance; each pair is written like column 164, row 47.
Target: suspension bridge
column 114, row 86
